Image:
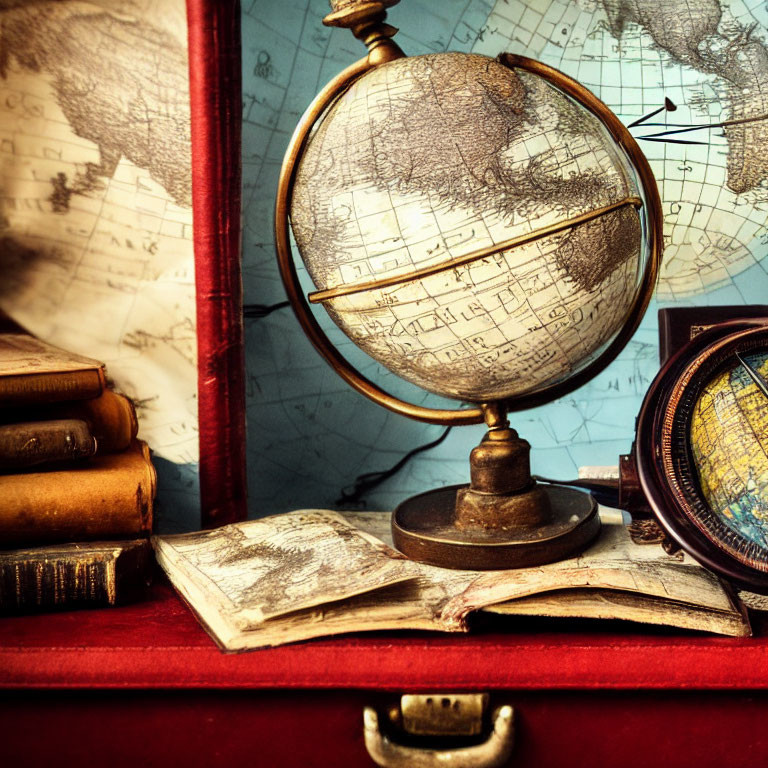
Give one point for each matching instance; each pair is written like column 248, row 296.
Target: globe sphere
column 470, row 226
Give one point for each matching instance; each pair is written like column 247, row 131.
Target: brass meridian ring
column 333, row 90
column 468, row 258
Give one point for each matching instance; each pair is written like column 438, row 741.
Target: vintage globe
column 470, row 225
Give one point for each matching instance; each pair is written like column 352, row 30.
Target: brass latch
column 458, row 714
column 440, row 730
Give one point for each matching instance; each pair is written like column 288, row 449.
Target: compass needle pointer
column 761, row 383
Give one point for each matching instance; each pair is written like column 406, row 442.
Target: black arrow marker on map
column 669, row 106
column 676, row 128
column 762, row 385
column 672, row 141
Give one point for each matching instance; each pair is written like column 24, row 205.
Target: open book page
column 302, row 575
column 241, row 575
column 614, row 562
column 408, row 605
column 596, row 603
column 312, row 573
column 753, row 601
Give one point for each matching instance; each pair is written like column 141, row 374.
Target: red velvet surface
column 216, row 106
column 159, row 644
column 324, row 730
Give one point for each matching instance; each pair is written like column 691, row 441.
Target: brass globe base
column 424, row 529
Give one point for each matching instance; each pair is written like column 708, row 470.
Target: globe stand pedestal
column 503, row 519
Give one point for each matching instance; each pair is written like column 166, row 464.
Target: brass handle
column 492, row 753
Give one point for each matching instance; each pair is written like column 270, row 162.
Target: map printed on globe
column 705, row 58
column 730, row 449
column 431, row 159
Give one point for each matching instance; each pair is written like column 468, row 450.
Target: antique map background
column 95, row 207
column 309, row 434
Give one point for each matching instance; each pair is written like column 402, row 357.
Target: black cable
column 368, row 481
column 257, row 311
column 605, row 492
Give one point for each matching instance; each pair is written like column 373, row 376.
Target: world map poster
column 96, row 207
column 688, row 79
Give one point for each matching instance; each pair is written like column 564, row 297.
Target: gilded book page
column 95, row 212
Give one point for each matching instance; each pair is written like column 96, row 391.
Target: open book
column 311, row 573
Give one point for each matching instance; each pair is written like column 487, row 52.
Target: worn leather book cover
column 30, row 443
column 111, row 418
column 79, row 575
column 110, row 496
column 678, row 325
column 33, row 371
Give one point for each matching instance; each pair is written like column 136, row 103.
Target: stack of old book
column 76, row 486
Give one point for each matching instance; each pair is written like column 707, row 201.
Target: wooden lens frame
column 670, row 493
